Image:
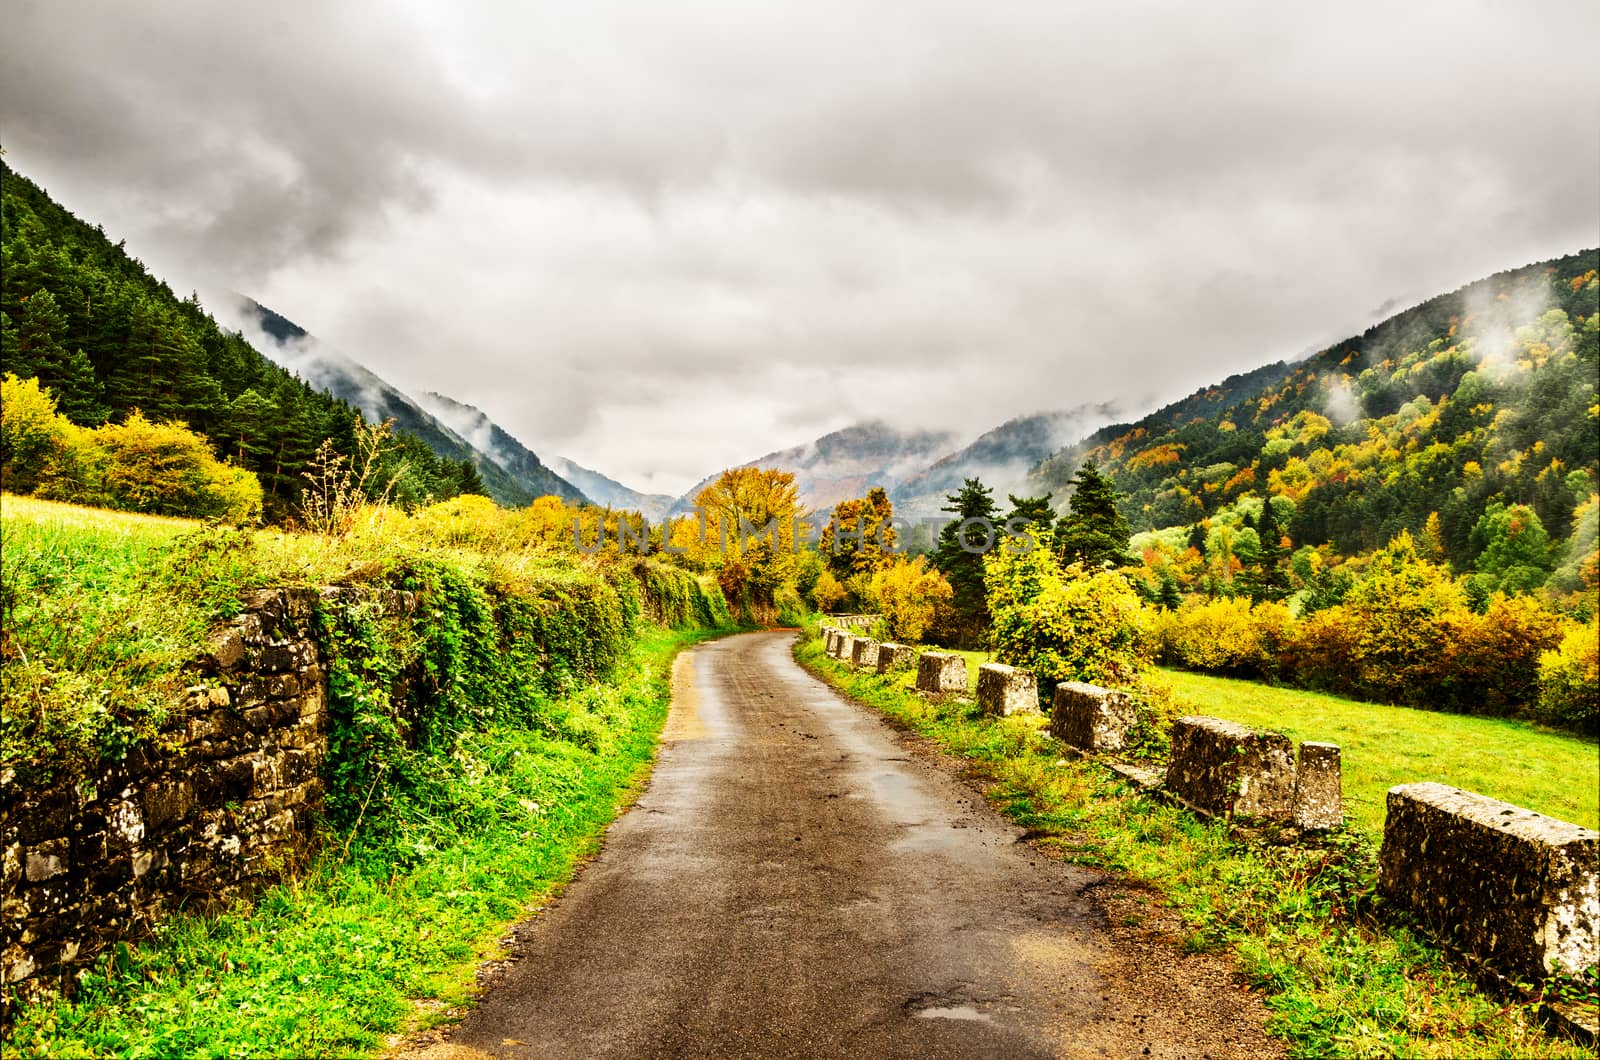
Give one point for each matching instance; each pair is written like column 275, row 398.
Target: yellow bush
column 829, row 594
column 167, row 469
column 31, row 433
column 911, row 597
column 1227, row 636
column 1569, row 679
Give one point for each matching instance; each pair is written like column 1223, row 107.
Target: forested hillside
column 107, row 337
column 1425, row 422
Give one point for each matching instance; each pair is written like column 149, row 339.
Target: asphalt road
column 796, row 881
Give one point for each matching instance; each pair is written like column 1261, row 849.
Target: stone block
column 939, row 671
column 1091, row 717
column 1007, row 690
column 1318, row 788
column 1515, row 888
column 845, row 648
column 864, row 655
column 1225, row 769
column 893, row 656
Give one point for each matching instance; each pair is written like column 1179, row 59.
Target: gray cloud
column 666, row 238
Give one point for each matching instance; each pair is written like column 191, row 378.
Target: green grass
column 1339, row 975
column 1553, row 773
column 334, row 963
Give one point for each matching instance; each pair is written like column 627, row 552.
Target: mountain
column 1002, row 458
column 512, row 474
column 848, row 462
column 106, row 337
column 1481, row 397
column 610, row 493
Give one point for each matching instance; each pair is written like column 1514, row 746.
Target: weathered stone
column 1007, row 690
column 1226, row 769
column 1318, row 789
column 939, row 671
column 893, row 656
column 845, row 648
column 864, row 655
column 227, row 649
column 47, row 861
column 830, row 642
column 1510, row 886
column 1091, row 717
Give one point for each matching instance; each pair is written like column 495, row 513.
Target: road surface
column 797, row 880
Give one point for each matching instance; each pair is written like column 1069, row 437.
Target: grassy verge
column 1554, row 773
column 355, row 951
column 1338, row 980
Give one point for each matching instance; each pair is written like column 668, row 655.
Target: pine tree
column 1093, row 532
column 1266, row 578
column 1034, row 515
column 973, row 526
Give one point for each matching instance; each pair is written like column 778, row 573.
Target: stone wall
column 1091, row 717
column 225, row 807
column 893, row 656
column 1225, row 769
column 941, row 672
column 1007, row 690
column 1510, row 886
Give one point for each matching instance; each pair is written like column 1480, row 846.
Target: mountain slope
column 610, row 493
column 513, row 475
column 1483, row 396
column 848, row 462
column 1001, row 457
column 93, row 325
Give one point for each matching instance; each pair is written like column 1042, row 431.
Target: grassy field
column 1553, row 773
column 1339, row 977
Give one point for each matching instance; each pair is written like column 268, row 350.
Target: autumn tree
column 860, row 538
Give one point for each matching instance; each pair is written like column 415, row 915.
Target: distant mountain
column 609, row 492
column 1002, row 458
column 512, row 474
column 849, row 462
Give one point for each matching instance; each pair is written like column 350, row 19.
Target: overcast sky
column 663, row 238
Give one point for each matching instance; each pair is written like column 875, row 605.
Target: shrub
column 1569, row 680
column 1227, row 636
column 1394, row 618
column 1065, row 624
column 31, row 433
column 1489, row 663
column 912, row 598
column 167, row 469
column 829, row 594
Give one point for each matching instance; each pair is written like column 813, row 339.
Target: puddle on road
column 954, row 1012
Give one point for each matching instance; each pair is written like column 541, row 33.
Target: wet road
column 795, row 882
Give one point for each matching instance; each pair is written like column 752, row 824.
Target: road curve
column 795, row 882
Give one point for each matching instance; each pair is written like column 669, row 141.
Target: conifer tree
column 972, row 526
column 1093, row 532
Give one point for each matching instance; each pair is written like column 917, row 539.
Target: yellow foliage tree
column 912, row 597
